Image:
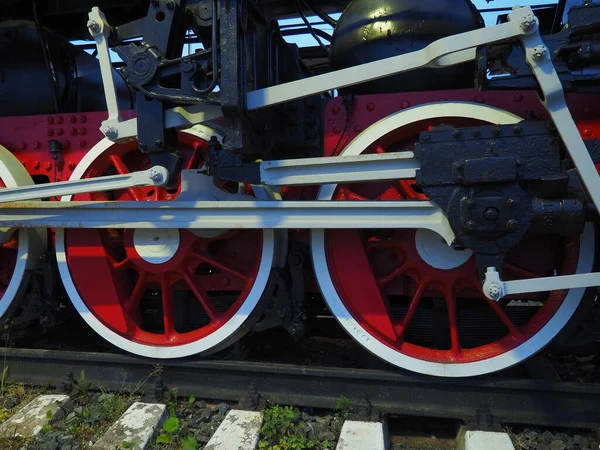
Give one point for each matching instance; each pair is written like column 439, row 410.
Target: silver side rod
column 156, row 176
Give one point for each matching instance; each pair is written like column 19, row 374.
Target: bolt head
column 471, row 225
column 512, row 225
column 93, row 26
column 110, row 132
column 529, row 22
column 491, row 214
column 539, row 52
column 495, row 291
column 155, row 175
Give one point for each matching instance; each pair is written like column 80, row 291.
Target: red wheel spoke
column 521, row 271
column 348, row 194
column 391, row 193
column 207, row 259
column 201, row 295
column 168, row 306
column 505, row 319
column 405, row 190
column 119, row 164
column 193, row 161
column 122, row 169
column 138, row 291
column 412, row 308
column 121, row 264
column 387, row 279
column 368, row 299
column 453, row 320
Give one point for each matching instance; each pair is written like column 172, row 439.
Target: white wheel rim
column 31, row 241
column 363, row 336
column 215, row 339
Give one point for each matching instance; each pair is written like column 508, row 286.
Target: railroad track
column 485, row 402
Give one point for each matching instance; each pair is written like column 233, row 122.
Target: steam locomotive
column 179, row 175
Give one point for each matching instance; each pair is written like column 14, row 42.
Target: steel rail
column 509, row 401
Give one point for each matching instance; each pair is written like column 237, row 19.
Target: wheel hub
column 434, row 250
column 156, row 246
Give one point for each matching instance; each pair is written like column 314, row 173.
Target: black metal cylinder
column 370, row 30
column 25, row 87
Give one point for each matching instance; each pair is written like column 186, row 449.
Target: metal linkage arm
column 443, row 52
column 539, row 59
column 553, row 98
column 326, row 170
column 156, row 176
column 495, row 289
column 114, row 128
column 340, row 169
column 228, row 215
column 100, row 31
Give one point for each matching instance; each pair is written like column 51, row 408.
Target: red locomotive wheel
column 417, row 303
column 162, row 293
column 19, row 249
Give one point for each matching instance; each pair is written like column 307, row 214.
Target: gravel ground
column 536, row 439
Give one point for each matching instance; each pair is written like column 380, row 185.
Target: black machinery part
column 496, row 184
column 28, row 92
column 372, row 30
column 575, row 51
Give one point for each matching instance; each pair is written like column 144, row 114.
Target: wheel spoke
column 138, row 291
column 521, row 271
column 119, row 164
column 412, row 308
column 345, row 192
column 387, row 279
column 453, row 320
column 122, row 169
column 367, row 299
column 168, row 306
column 505, row 319
column 200, row 294
column 193, row 161
column 120, row 264
column 391, row 193
column 207, row 259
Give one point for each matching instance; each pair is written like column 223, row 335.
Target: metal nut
column 155, row 175
column 529, row 22
column 491, row 214
column 110, row 132
column 495, row 291
column 539, row 52
column 93, row 26
column 512, row 225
